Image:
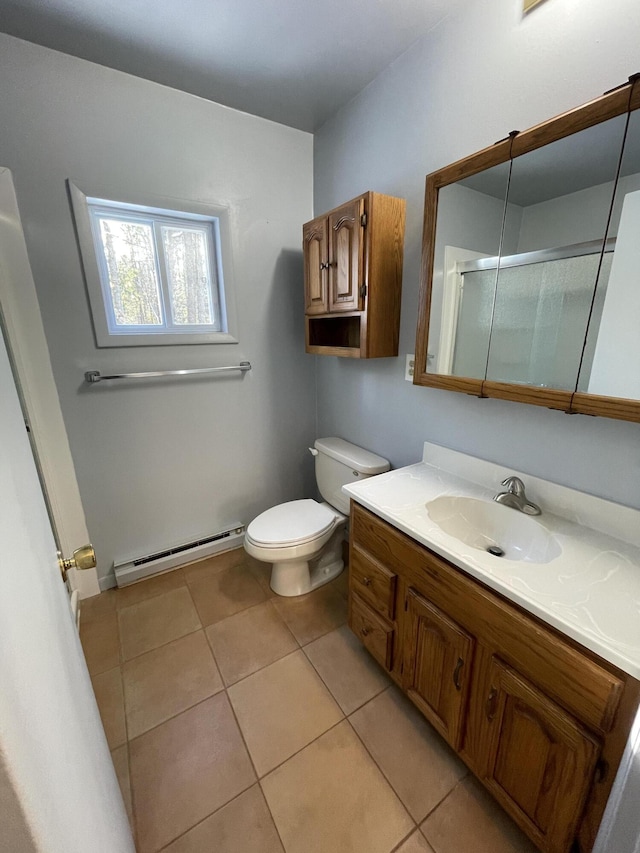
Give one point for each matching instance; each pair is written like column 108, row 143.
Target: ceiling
column 293, row 61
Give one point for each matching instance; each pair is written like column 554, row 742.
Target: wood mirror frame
column 620, row 101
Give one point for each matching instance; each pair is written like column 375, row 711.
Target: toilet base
column 298, row 577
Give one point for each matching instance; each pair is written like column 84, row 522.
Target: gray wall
column 160, row 463
column 482, row 72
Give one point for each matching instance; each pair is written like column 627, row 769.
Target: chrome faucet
column 516, row 498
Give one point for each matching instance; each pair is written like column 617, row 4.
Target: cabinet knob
column 366, row 581
column 365, row 631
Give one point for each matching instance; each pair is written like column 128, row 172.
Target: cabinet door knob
column 490, row 706
column 456, row 674
column 366, row 581
column 365, row 631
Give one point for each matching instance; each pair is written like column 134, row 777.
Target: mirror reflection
column 559, row 202
column 469, row 228
column 611, row 366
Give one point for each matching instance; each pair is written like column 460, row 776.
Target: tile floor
column 240, row 722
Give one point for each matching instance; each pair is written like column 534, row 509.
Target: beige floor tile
column 250, row 640
column 107, row 687
column 281, row 709
column 417, row 843
column 348, row 670
column 311, row 616
column 165, row 681
column 120, row 758
column 212, row 565
column 225, row 592
column 242, row 826
column 149, row 624
column 469, row 819
column 332, row 797
column 417, row 762
column 97, row 605
column 185, row 769
column 149, row 588
column 100, row 642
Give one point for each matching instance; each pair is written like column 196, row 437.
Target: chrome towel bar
column 93, row 376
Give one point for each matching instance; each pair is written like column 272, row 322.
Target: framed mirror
column 528, row 291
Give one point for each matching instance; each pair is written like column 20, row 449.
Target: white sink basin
column 485, row 524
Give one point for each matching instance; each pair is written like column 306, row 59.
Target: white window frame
column 162, row 211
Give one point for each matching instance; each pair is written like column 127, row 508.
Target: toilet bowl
column 303, row 539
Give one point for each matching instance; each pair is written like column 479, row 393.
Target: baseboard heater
column 170, row 558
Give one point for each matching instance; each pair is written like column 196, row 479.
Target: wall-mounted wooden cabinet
column 541, row 721
column 353, row 278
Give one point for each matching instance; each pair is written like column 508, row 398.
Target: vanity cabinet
column 353, row 278
column 540, row 720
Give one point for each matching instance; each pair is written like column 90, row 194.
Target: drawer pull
column 366, row 581
column 365, row 631
column 490, row 706
column 456, row 674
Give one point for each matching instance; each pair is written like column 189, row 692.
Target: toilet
column 303, row 539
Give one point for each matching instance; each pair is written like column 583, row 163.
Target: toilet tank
column 339, row 462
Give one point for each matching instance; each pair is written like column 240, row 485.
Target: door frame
column 22, row 320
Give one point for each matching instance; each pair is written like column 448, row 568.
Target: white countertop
column 591, row 592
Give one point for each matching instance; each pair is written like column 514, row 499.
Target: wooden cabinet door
column 539, row 761
column 437, row 666
column 316, row 255
column 346, row 257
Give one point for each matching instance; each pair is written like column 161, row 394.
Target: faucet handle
column 514, row 485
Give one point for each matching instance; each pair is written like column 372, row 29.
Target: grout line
column 214, row 812
column 446, row 796
column 406, row 838
column 302, row 748
column 161, row 646
column 388, row 781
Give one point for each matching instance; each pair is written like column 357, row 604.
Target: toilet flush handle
column 313, row 451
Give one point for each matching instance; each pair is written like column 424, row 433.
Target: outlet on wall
column 409, row 365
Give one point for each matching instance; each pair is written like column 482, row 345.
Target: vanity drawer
column 374, row 632
column 374, row 582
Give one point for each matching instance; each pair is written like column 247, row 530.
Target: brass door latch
column 83, row 558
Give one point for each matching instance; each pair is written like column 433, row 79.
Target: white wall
column 482, row 72
column 160, row 463
column 616, row 361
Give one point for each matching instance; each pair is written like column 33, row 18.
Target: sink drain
column 496, row 550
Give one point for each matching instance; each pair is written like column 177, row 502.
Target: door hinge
column 363, row 291
column 363, row 220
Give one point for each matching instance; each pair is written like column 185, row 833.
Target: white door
column 52, row 744
column 28, row 346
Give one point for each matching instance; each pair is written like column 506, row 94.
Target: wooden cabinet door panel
column 437, row 666
column 539, row 760
column 346, row 257
column 315, row 251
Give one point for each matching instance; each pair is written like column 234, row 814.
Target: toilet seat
column 292, row 523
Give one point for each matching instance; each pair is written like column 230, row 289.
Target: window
column 154, row 275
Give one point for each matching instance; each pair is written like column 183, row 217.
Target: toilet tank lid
column 355, row 457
